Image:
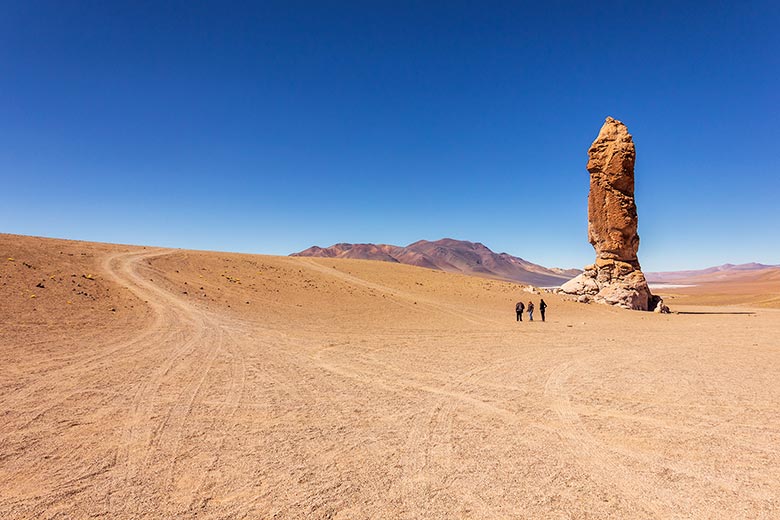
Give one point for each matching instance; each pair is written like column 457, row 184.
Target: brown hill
column 455, row 256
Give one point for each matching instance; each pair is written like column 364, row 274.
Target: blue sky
column 268, row 127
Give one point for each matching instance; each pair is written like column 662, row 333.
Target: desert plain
column 157, row 383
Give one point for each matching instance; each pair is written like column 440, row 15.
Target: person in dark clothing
column 530, row 311
column 519, row 308
column 542, row 307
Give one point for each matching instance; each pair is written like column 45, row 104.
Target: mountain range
column 447, row 254
column 721, row 273
column 474, row 258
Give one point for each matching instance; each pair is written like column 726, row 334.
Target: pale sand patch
column 663, row 286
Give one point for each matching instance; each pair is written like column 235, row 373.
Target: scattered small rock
column 662, row 308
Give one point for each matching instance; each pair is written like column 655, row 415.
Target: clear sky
column 268, row 127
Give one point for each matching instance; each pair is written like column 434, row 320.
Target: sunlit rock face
column 616, row 277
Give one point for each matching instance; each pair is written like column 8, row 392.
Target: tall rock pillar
column 616, row 277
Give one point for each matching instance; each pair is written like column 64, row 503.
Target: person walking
column 519, row 308
column 542, row 307
column 530, row 311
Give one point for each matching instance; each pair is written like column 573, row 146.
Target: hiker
column 542, row 307
column 519, row 308
column 530, row 311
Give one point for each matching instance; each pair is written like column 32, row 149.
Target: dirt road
column 294, row 388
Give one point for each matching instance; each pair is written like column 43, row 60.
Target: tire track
column 193, row 342
column 177, row 343
column 425, row 459
column 108, row 354
column 238, row 372
column 598, row 460
column 435, row 434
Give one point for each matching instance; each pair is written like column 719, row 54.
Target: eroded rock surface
column 616, row 277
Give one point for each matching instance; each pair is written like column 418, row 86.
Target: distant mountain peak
column 452, row 255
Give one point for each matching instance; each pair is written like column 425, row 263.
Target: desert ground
column 155, row 383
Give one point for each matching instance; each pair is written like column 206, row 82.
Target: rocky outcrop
column 616, row 277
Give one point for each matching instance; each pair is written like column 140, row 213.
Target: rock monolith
column 616, row 277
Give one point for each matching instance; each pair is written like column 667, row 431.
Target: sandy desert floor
column 151, row 383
